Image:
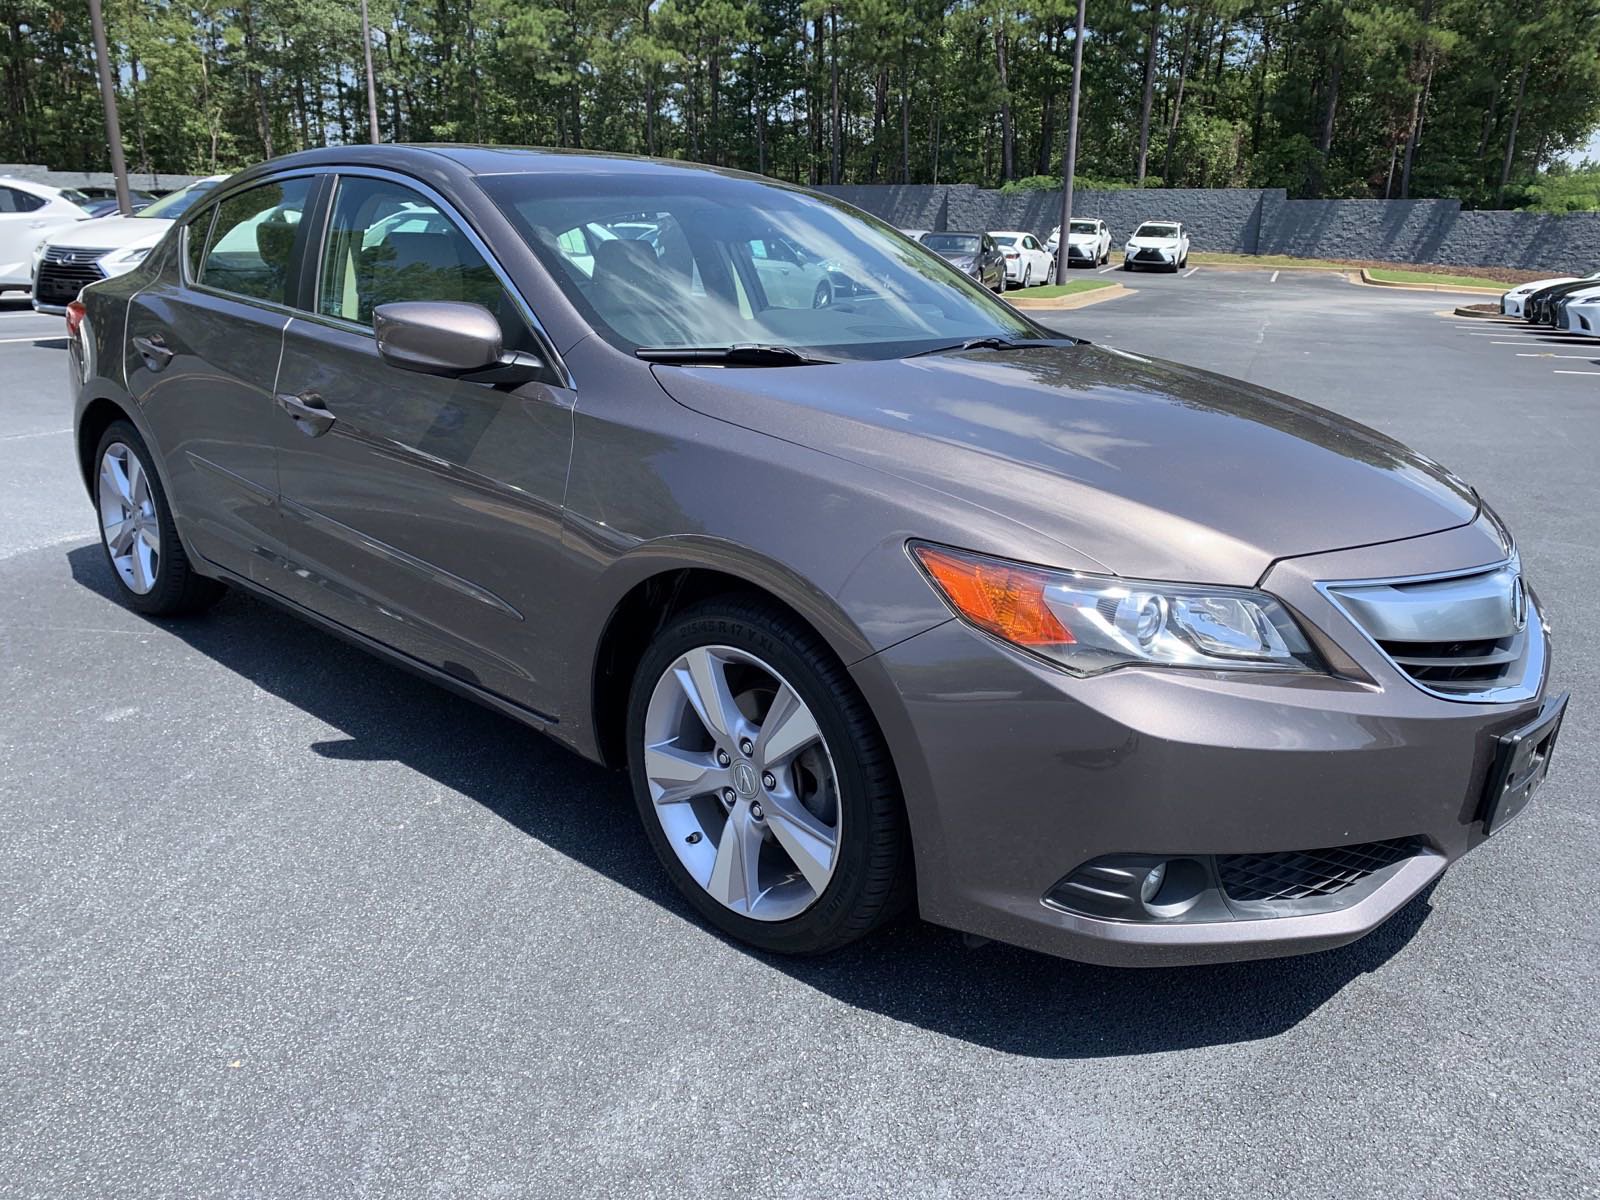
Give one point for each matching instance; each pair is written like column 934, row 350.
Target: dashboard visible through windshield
column 715, row 261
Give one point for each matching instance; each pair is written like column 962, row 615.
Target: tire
column 1127, row 266
column 156, row 579
column 739, row 642
column 1027, row 276
column 823, row 296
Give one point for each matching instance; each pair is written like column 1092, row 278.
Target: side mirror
column 437, row 337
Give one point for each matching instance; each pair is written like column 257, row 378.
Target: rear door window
column 251, row 249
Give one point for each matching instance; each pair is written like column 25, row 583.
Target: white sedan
column 1027, row 262
column 1512, row 302
column 1581, row 312
column 1162, row 244
column 28, row 213
column 79, row 254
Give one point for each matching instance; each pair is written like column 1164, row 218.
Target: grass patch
column 1211, row 258
column 1426, row 277
column 1052, row 290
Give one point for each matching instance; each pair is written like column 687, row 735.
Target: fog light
column 1151, row 884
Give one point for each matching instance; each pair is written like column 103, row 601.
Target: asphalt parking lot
column 277, row 919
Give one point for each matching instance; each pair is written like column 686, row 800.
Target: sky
column 1591, row 151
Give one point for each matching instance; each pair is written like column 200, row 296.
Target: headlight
column 1094, row 623
column 119, row 261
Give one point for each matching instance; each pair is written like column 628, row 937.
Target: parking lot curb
column 1369, row 281
column 1483, row 312
column 1077, row 300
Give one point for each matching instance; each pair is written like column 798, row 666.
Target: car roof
column 428, row 158
column 31, row 186
column 1160, row 221
column 1009, row 233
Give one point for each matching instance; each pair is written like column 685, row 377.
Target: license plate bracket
column 1521, row 762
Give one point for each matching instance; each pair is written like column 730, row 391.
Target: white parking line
column 1103, row 270
column 38, row 337
column 1575, row 372
column 17, row 437
column 1274, row 278
column 1547, row 354
column 1190, row 272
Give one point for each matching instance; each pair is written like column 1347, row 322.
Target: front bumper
column 1016, row 774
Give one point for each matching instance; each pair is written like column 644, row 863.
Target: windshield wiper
column 748, row 354
column 1001, row 343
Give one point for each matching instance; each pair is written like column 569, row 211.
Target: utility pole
column 372, row 91
column 1069, row 161
column 108, row 97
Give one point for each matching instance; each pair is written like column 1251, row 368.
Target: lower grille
column 1298, row 874
column 1148, row 255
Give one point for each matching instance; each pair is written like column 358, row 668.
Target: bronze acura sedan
column 882, row 593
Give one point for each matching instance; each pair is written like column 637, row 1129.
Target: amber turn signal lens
column 1002, row 598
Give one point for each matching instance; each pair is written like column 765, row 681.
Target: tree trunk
column 1149, row 87
column 1329, row 112
column 1177, row 104
column 649, row 82
column 1419, row 114
column 1008, row 144
column 1511, row 138
column 880, row 116
column 1261, row 86
column 836, row 161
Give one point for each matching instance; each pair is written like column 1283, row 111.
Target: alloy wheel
column 742, row 782
column 128, row 519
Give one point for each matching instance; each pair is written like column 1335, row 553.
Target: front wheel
column 763, row 783
column 136, row 531
column 823, row 296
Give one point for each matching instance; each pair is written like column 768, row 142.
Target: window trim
column 214, row 206
column 317, row 243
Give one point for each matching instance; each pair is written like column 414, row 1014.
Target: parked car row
column 1570, row 302
column 1005, row 257
column 55, row 240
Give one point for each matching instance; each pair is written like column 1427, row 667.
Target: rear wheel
column 763, row 782
column 148, row 562
column 1027, row 276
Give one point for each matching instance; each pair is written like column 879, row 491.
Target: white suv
column 28, row 212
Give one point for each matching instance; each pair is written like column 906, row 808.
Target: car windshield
column 952, row 243
column 1083, row 227
column 178, row 202
column 76, row 197
column 1157, row 231
column 729, row 262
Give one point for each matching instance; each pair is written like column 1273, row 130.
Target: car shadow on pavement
column 995, row 996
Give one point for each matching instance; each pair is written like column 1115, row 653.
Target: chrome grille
column 64, row 271
column 1471, row 635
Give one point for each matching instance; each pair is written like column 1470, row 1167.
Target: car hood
column 1140, row 243
column 1539, row 284
column 1147, row 468
column 111, row 233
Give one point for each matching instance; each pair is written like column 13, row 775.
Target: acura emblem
column 744, row 778
column 1519, row 603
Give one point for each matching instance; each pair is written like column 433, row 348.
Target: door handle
column 310, row 415
column 154, row 350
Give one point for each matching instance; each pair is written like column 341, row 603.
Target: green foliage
column 1566, row 189
column 1318, row 97
column 1051, row 183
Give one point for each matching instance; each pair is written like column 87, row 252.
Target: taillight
column 75, row 315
